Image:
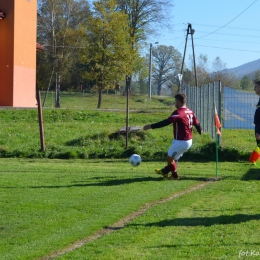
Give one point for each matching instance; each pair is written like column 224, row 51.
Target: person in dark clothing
column 257, row 114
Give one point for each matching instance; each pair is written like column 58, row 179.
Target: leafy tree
column 109, row 56
column 220, row 73
column 245, row 83
column 188, row 77
column 167, row 60
column 58, row 30
column 141, row 73
column 256, row 76
column 202, row 71
column 143, row 18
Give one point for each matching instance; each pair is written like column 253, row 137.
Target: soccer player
column 182, row 119
column 257, row 114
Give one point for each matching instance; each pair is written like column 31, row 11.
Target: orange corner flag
column 217, row 122
column 255, row 157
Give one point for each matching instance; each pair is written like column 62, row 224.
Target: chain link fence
column 111, row 100
column 239, row 108
column 202, row 100
column 235, row 108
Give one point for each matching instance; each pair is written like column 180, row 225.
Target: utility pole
column 150, row 76
column 191, row 32
column 150, row 71
column 57, row 103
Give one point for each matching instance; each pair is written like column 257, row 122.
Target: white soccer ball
column 135, row 159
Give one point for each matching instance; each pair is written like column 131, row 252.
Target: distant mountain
column 247, row 69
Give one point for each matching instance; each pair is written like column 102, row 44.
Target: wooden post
column 40, row 121
column 127, row 116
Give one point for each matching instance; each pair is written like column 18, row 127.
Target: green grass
column 48, row 204
column 90, row 134
column 79, row 100
column 214, row 223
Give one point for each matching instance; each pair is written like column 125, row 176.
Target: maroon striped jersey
column 183, row 119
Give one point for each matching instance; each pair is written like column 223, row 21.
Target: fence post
column 208, row 108
column 201, row 108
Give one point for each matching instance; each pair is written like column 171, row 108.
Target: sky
column 228, row 29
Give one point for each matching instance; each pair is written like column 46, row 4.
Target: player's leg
column 176, row 150
column 171, row 165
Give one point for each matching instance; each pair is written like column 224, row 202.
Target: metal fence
column 111, row 99
column 201, row 100
column 239, row 109
column 235, row 107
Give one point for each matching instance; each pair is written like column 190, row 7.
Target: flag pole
column 217, row 125
column 216, row 136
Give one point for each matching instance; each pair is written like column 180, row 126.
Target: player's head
column 257, row 88
column 180, row 100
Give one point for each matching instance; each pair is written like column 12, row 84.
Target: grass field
column 94, row 205
column 47, row 205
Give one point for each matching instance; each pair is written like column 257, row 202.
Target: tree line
column 98, row 46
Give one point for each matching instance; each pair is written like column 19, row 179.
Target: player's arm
column 257, row 131
column 198, row 128
column 160, row 124
column 197, row 125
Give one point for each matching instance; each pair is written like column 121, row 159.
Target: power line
column 227, row 48
column 217, row 40
column 228, row 22
column 237, row 28
column 228, row 34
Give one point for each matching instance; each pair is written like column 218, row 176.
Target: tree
column 58, row 30
column 143, row 18
column 256, row 76
column 245, row 83
column 109, row 56
column 202, row 69
column 141, row 73
column 167, row 60
column 220, row 73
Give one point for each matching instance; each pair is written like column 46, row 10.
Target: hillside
column 246, row 69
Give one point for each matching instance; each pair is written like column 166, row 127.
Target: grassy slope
column 88, row 134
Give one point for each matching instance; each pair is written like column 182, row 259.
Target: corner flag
column 255, row 157
column 217, row 122
column 217, row 132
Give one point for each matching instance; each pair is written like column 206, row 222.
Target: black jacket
column 257, row 118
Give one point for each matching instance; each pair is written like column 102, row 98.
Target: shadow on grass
column 252, row 174
column 205, row 244
column 203, row 221
column 192, row 178
column 112, row 182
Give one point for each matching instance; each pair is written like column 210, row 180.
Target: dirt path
column 122, row 222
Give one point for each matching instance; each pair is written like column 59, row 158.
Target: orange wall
column 18, row 53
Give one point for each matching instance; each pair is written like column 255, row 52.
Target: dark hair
column 257, row 82
column 181, row 97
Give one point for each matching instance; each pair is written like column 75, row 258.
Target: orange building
column 18, row 23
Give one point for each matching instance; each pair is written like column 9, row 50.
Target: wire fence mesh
column 202, row 100
column 235, row 108
column 239, row 108
column 111, row 99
